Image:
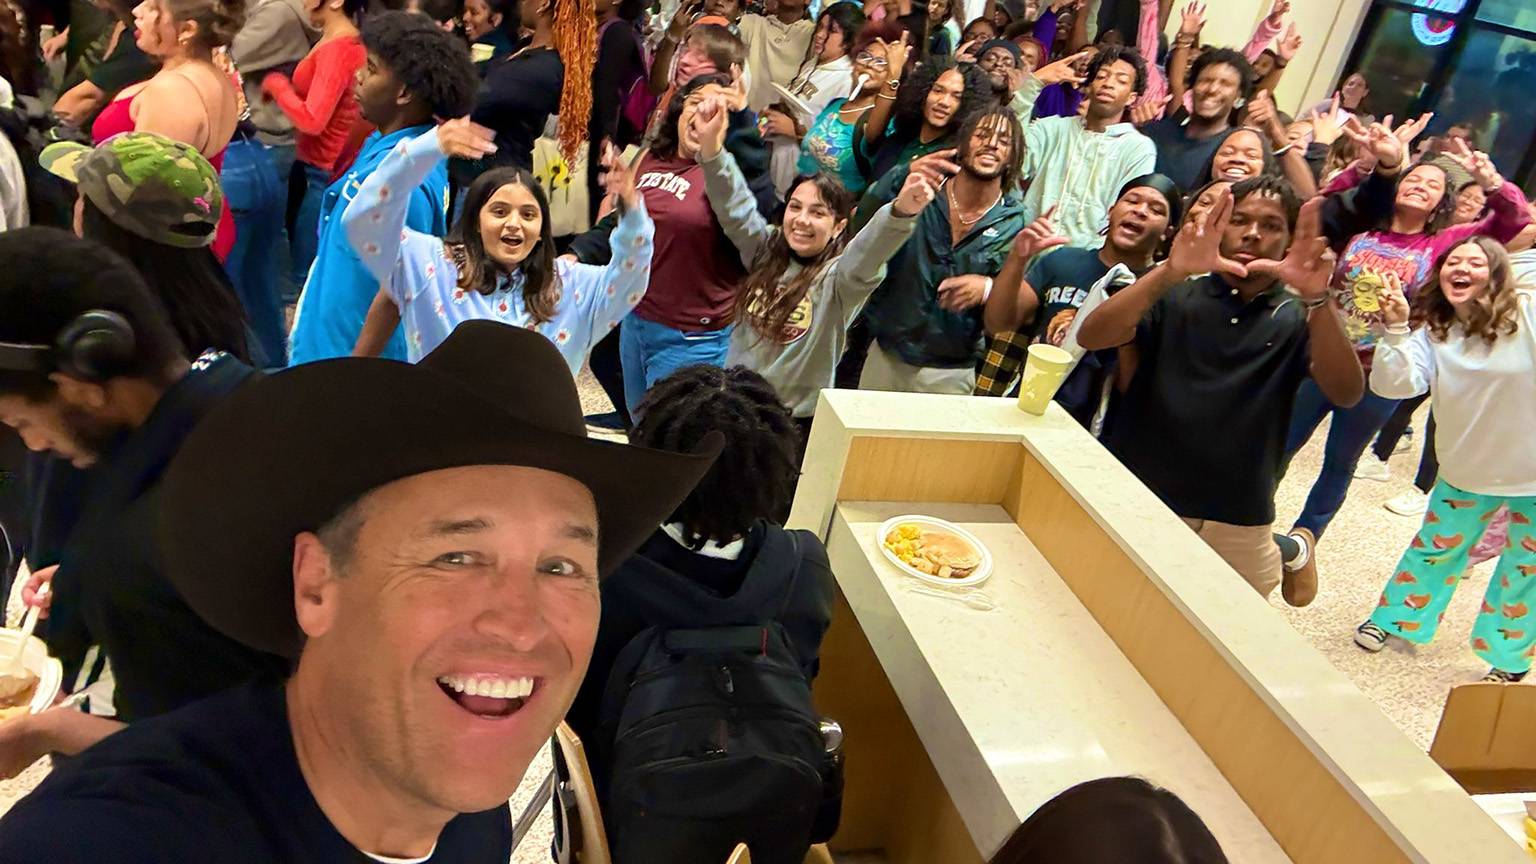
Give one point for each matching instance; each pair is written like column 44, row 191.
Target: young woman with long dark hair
column 498, row 262
column 1468, row 338
column 803, row 287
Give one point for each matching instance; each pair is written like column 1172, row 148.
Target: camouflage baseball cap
column 159, row 189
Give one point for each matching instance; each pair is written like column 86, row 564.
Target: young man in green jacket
column 926, row 317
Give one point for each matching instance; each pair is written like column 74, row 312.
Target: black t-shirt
column 1203, row 421
column 1179, row 156
column 127, row 64
column 516, row 99
column 217, row 781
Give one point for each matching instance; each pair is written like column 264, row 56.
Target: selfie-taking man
column 91, row 370
column 1204, row 418
column 424, row 542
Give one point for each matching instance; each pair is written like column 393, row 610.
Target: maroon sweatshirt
column 695, row 270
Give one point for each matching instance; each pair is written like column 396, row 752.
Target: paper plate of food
column 37, row 686
column 935, row 551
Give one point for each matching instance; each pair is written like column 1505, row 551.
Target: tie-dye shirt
column 1411, row 257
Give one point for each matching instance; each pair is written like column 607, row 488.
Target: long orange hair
column 575, row 38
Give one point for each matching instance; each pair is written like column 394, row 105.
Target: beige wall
column 1327, row 29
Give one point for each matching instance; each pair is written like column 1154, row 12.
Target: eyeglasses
column 868, row 59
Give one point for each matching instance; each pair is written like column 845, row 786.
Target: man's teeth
column 496, row 688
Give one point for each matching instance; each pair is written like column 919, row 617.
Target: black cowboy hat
column 286, row 454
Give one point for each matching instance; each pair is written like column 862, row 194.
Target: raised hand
column 683, row 19
column 1308, row 265
column 1263, row 117
column 1476, row 163
column 1413, row 128
column 1328, row 126
column 711, row 120
column 916, row 193
column 966, row 53
column 1197, row 248
column 1147, row 110
column 464, row 139
column 619, row 179
column 1394, row 303
column 1289, row 45
column 1065, row 69
column 1277, row 12
column 1038, row 236
column 1192, row 19
column 1381, row 146
column 936, row 167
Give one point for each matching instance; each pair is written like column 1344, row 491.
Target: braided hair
column 574, row 33
column 755, row 476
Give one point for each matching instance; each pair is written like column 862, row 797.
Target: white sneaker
column 1404, row 442
column 1371, row 468
column 1410, row 503
column 1370, row 637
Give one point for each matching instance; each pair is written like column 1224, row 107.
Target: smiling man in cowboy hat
column 425, row 542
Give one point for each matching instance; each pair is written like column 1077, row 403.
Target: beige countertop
column 1410, row 797
column 1020, row 702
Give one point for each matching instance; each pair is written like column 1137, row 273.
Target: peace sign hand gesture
column 1394, row 303
column 1308, row 265
column 1476, row 163
column 1197, row 248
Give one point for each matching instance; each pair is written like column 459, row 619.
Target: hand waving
column 1192, row 19
column 1289, row 45
column 465, row 139
column 1197, row 248
column 1308, row 265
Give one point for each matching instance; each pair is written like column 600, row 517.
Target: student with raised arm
column 803, row 287
column 1203, row 419
column 497, row 263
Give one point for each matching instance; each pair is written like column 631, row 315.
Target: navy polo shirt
column 1203, row 422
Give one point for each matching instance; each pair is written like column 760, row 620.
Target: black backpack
column 712, row 741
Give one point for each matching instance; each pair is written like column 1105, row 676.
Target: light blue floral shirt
column 419, row 274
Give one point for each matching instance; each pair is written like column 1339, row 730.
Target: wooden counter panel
column 1305, row 808
column 926, row 469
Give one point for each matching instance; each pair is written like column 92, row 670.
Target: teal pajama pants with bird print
column 1414, row 601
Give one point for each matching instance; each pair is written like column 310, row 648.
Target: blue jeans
column 306, row 225
column 257, row 197
column 651, row 352
column 1349, row 433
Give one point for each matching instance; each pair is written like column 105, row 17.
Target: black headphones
column 95, row 346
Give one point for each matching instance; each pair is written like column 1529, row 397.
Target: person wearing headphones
column 92, row 370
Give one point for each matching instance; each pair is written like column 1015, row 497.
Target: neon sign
column 1435, row 31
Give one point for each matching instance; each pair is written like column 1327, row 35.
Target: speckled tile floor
column 1354, row 559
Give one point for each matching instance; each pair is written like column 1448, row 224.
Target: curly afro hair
column 1113, row 54
column 755, row 476
column 1246, row 77
column 431, row 64
column 908, row 113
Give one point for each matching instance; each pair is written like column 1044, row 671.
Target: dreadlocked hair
column 765, row 302
column 575, row 40
column 1492, row 315
column 755, row 476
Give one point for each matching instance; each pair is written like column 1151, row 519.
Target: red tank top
column 117, row 118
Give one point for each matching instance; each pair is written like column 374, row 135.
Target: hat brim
column 286, row 454
column 62, row 159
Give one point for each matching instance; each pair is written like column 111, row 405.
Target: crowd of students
column 775, row 202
